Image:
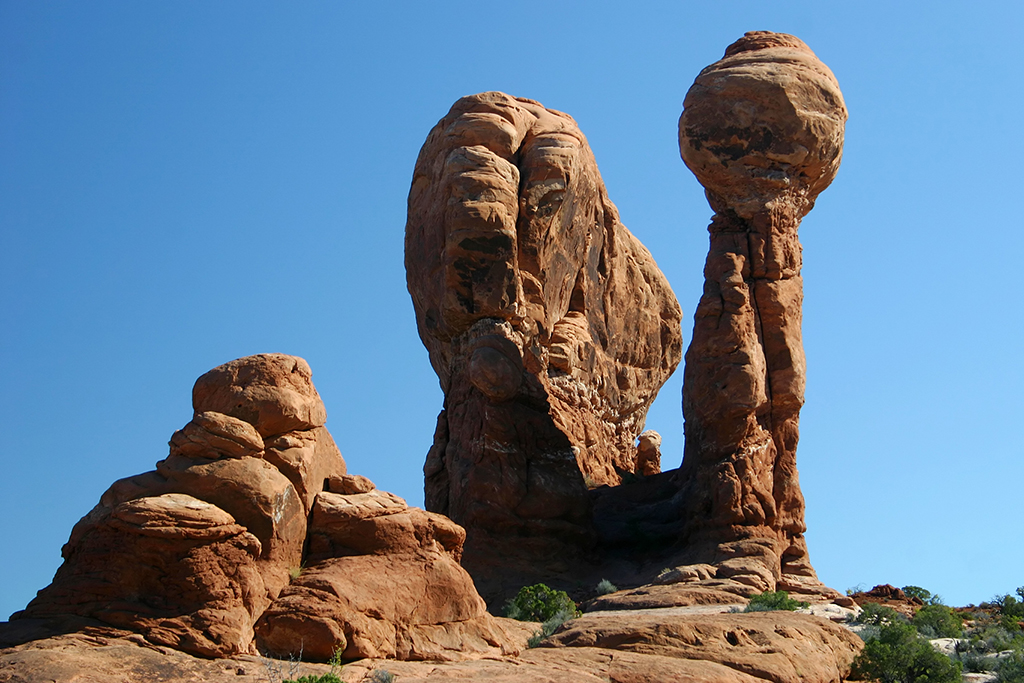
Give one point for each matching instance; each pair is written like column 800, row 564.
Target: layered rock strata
column 235, row 540
column 762, row 129
column 549, row 325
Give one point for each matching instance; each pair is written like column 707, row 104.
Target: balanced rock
column 549, row 325
column 762, row 129
column 273, row 392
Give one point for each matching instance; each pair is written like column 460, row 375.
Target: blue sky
column 186, row 183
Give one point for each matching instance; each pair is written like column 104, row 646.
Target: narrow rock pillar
column 762, row 129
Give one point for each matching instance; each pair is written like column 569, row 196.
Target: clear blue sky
column 185, row 183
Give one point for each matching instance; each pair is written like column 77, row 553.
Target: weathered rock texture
column 661, row 646
column 193, row 554
column 762, row 129
column 384, row 582
column 549, row 325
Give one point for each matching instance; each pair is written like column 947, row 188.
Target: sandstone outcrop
column 776, row 646
column 236, row 520
column 762, row 129
column 549, row 325
column 384, row 582
column 662, row 646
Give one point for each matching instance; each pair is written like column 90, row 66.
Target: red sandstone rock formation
column 549, row 325
column 762, row 129
column 384, row 581
column 193, row 554
column 781, row 647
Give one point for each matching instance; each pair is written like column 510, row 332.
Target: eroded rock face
column 549, row 325
column 384, row 581
column 762, row 129
column 236, row 520
column 174, row 568
column 776, row 646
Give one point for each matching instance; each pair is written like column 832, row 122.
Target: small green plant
column 900, row 655
column 381, row 676
column 938, row 621
column 774, row 601
column 605, row 587
column 539, row 603
column 329, row 677
column 313, row 678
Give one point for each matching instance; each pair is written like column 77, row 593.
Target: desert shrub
column 539, row 603
column 924, row 595
column 938, row 621
column 1011, row 610
column 900, row 655
column 774, row 601
column 550, row 626
column 975, row 663
column 995, row 638
column 1011, row 669
column 381, row 676
column 330, row 677
column 877, row 615
column 605, row 587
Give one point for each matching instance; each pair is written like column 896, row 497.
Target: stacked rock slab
column 549, row 325
column 762, row 129
column 193, row 554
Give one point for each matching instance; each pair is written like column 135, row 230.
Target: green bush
column 900, row 655
column 540, row 603
column 874, row 614
column 922, row 594
column 1011, row 669
column 605, row 587
column 938, row 621
column 774, row 601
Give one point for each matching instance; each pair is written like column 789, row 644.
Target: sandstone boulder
column 177, row 569
column 383, row 581
column 548, row 324
column 648, row 453
column 256, row 494
column 271, row 391
column 783, row 647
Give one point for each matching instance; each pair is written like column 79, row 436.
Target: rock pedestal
column 762, row 129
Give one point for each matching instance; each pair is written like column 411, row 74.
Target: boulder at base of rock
column 783, row 647
column 171, row 567
column 383, row 581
